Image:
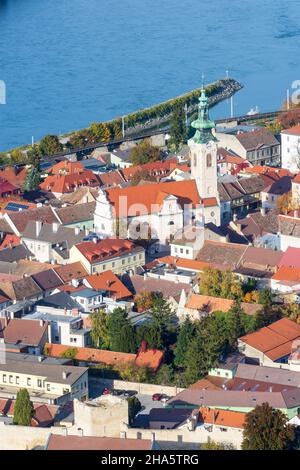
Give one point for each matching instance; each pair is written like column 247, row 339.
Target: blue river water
column 67, row 63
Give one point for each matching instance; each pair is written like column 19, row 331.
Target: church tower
column 203, row 149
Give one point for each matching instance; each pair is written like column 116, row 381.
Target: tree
column 99, row 329
column 265, row 296
column 134, row 407
column 213, row 445
column 267, row 315
column 186, row 334
column 235, row 325
column 144, row 153
column 33, row 179
column 149, row 333
column 218, row 283
column 162, row 317
column 81, row 139
column 144, row 301
column 17, row 156
column 134, row 373
column 69, row 353
column 165, row 375
column 285, row 203
column 203, row 351
column 23, row 410
column 142, row 175
column 267, row 429
column 120, row 332
column 50, row 145
column 178, row 130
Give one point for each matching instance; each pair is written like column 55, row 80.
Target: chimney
column 41, row 322
column 263, row 210
column 38, row 226
column 55, row 227
column 64, row 375
column 123, row 435
column 95, row 240
column 77, row 230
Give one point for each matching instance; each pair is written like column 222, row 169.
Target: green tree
column 50, row 145
column 235, row 324
column 69, row 353
column 81, row 139
column 178, row 130
column 267, row 429
column 17, row 156
column 267, row 315
column 165, row 375
column 23, row 410
column 185, row 336
column 99, row 329
column 162, row 317
column 144, row 153
column 203, row 351
column 134, row 407
column 120, row 332
column 265, row 296
column 33, row 179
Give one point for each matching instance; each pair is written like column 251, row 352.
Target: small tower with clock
column 203, row 150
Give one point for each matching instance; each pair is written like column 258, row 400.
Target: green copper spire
column 203, row 124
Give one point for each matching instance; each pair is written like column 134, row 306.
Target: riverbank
column 147, row 119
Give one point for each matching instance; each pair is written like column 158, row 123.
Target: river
column 67, row 63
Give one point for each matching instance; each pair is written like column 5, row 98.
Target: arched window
column 208, row 160
column 171, row 222
column 195, row 159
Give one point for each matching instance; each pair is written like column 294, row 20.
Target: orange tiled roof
column 295, row 130
column 107, row 248
column 150, row 358
column 191, row 264
column 10, row 240
column 214, row 304
column 70, row 271
column 274, row 340
column 67, row 183
column 16, row 177
column 226, row 418
column 67, row 167
column 287, row 273
column 110, row 282
column 147, row 199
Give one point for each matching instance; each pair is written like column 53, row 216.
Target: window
column 4, row 378
column 195, row 159
column 39, row 383
column 186, row 252
column 181, row 250
column 48, row 387
column 104, row 267
column 10, row 379
column 17, row 380
column 208, row 160
column 123, row 261
column 29, row 381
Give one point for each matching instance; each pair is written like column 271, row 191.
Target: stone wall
column 142, row 388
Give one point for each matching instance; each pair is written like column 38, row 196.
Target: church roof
column 150, row 197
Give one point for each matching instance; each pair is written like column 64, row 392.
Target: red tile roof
column 287, row 273
column 295, row 130
column 29, row 332
column 189, row 264
column 70, row 271
column 275, row 340
column 108, row 281
column 226, row 418
column 106, row 249
column 67, row 183
column 10, row 241
column 151, row 358
column 149, row 199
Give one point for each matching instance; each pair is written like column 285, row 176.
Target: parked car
column 157, row 397
column 117, row 392
column 130, row 393
column 106, row 391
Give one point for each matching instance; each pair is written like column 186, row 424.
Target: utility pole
column 186, row 114
column 123, row 126
column 32, row 141
column 231, row 106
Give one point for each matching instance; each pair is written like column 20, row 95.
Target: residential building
column 50, row 243
column 25, row 336
column 59, row 443
column 290, row 148
column 77, row 216
column 273, row 344
column 112, row 254
column 260, row 228
column 258, row 145
column 51, row 383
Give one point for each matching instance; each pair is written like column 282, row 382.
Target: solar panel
column 15, row 207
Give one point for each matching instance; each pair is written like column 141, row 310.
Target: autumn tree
column 142, row 175
column 81, row 139
column 285, row 203
column 144, row 153
column 267, row 429
column 218, row 283
column 144, row 300
column 17, row 156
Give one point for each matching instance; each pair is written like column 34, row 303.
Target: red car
column 157, row 397
column 106, row 391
